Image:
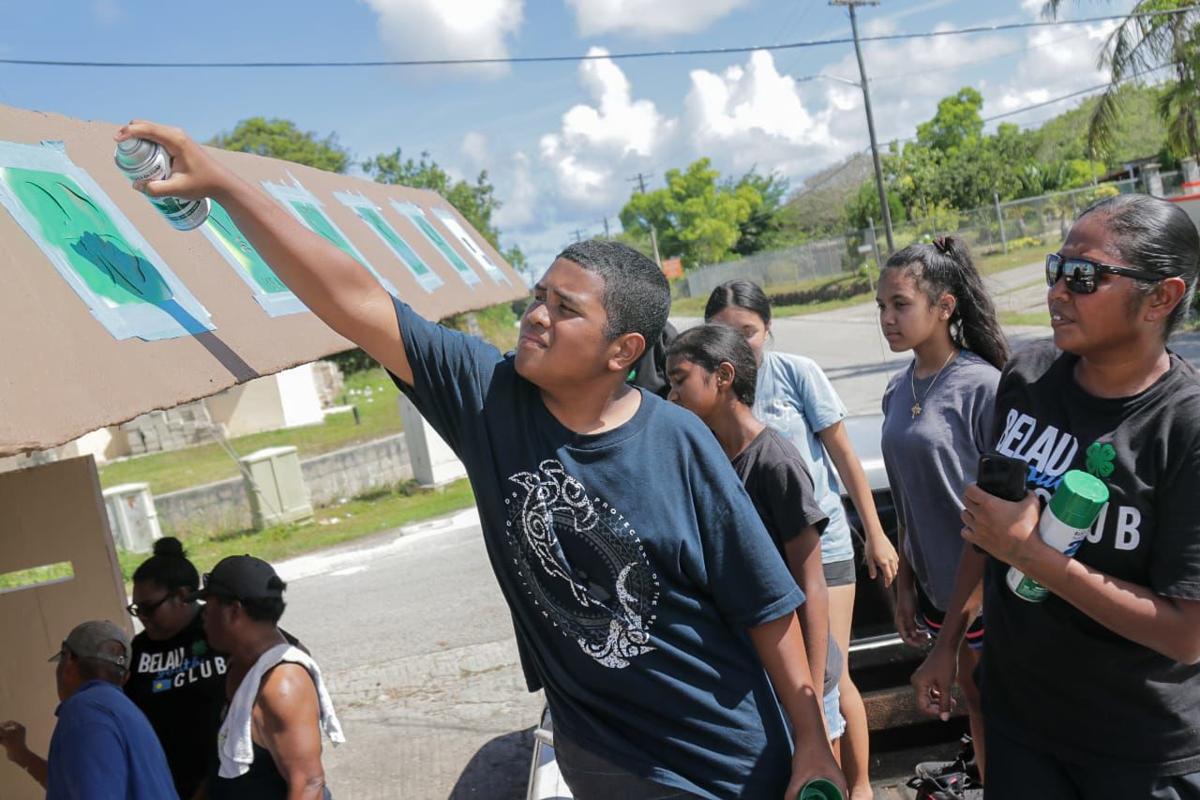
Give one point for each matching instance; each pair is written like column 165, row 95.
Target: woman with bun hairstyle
column 1095, row 691
column 176, row 679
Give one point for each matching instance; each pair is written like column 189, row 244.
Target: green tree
column 280, row 138
column 694, row 216
column 771, row 224
column 1140, row 44
column 957, row 123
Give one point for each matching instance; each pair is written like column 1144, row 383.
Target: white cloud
column 649, row 17
column 596, row 144
column 751, row 116
column 460, row 29
column 908, row 78
column 518, row 194
column 1065, row 60
column 475, row 149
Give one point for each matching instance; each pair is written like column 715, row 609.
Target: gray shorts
column 839, row 573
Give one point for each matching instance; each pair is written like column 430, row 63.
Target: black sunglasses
column 145, row 609
column 1081, row 273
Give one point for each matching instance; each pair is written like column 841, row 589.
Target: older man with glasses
column 102, row 746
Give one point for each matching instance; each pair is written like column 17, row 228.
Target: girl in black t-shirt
column 1095, row 692
column 711, row 372
column 177, row 680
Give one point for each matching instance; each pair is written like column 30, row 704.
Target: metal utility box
column 132, row 517
column 276, row 488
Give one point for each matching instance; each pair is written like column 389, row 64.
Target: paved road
column 417, row 645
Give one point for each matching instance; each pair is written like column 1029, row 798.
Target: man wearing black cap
column 103, row 746
column 269, row 744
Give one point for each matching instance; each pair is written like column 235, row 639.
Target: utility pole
column 866, row 90
column 641, row 182
column 578, row 234
column 606, row 236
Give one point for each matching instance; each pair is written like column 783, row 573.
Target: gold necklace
column 916, row 407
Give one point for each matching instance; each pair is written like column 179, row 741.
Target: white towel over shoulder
column 234, row 743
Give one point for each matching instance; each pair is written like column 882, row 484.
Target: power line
column 439, row 62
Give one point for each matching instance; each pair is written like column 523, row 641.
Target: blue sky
column 559, row 140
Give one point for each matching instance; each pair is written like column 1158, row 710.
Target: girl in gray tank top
column 937, row 417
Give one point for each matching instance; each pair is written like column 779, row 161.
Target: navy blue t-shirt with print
column 632, row 561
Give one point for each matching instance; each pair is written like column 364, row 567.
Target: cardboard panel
column 49, row 514
column 65, row 375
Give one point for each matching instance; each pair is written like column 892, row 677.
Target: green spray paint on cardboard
column 94, row 247
column 372, row 218
column 243, row 252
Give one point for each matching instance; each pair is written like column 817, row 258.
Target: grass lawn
column 1027, row 318
column 335, row 524
column 372, row 392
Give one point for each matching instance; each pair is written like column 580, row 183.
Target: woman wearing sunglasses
column 177, row 680
column 1095, row 692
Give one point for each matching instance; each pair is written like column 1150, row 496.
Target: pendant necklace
column 916, row 406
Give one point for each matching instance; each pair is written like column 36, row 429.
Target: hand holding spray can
column 1064, row 524
column 820, row 789
column 144, row 160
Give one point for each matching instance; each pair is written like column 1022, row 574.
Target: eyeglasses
column 145, row 609
column 1081, row 273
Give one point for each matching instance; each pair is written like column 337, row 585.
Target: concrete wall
column 349, row 472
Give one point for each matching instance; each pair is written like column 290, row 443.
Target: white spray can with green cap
column 1065, row 522
column 144, row 160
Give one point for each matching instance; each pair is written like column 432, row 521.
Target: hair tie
column 942, row 243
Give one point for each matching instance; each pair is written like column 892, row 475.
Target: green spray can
column 1064, row 524
column 820, row 789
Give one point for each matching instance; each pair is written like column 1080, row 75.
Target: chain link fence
column 1016, row 224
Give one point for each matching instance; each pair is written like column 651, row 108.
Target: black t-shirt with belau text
column 179, row 684
column 1053, row 676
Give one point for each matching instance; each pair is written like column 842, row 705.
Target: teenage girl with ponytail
column 176, row 679
column 937, row 422
column 794, row 396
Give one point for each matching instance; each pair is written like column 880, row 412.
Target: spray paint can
column 144, row 160
column 820, row 789
column 1065, row 522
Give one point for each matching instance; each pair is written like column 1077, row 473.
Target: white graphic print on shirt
column 1050, row 454
column 174, row 669
column 609, row 615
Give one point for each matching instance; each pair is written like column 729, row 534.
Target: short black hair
column 264, row 609
column 708, row 346
column 637, row 297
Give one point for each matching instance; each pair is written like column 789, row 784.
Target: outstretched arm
column 331, row 283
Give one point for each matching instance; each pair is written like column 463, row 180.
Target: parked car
column 880, row 661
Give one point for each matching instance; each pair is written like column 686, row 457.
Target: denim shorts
column 833, row 713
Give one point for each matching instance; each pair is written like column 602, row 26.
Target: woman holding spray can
column 937, row 420
column 1095, row 691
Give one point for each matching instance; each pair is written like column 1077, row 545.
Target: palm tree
column 1143, row 43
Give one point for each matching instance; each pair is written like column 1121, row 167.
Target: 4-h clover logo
column 1100, row 456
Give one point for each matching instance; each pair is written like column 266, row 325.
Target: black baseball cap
column 240, row 578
